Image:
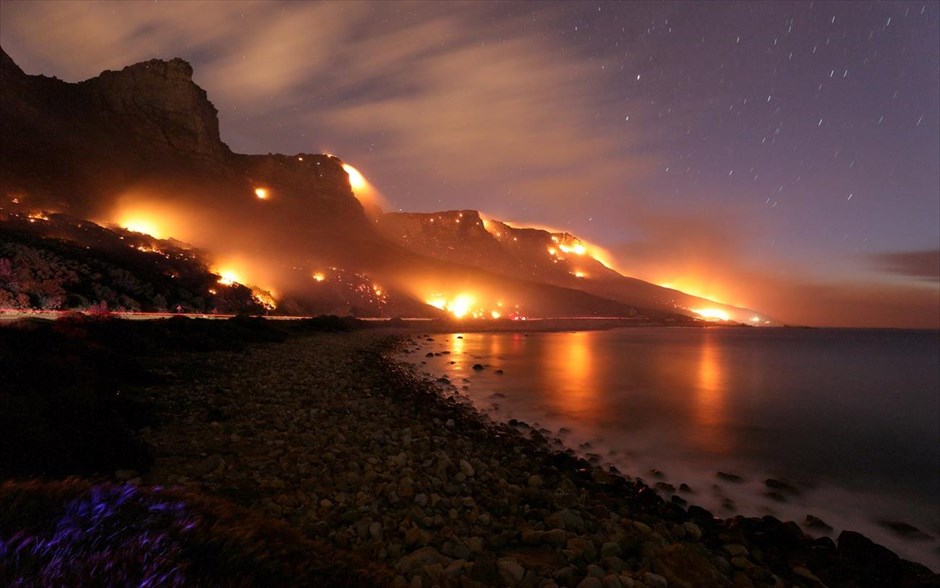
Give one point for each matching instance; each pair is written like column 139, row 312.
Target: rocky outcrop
column 158, row 102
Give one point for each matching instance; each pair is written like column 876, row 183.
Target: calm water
column 850, row 417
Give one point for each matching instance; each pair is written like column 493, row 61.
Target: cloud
column 923, row 264
column 460, row 94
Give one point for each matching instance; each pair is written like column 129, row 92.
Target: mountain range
column 139, row 150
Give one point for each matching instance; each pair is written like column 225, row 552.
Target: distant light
column 261, row 193
column 580, row 274
column 318, row 276
column 495, row 314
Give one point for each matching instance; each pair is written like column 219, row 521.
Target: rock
column 805, row 573
column 693, row 530
column 610, row 548
column 665, row 487
column 729, row 477
column 510, row 571
column 734, row 549
column 477, row 367
column 466, row 468
column 655, row 580
column 208, row 465
column 555, row 537
column 361, row 527
column 817, row 524
column 375, row 531
column 535, row 481
column 591, row 582
column 611, row 581
column 419, row 559
column 582, row 548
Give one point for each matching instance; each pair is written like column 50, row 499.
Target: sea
column 844, row 422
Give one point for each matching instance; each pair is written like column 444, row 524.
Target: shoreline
column 330, row 434
column 459, row 495
column 902, row 517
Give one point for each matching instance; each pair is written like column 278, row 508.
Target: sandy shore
column 329, row 435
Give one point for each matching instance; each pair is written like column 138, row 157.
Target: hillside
column 140, row 149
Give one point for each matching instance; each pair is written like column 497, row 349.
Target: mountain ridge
column 145, row 140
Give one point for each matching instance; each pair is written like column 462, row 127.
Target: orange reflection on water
column 575, row 391
column 710, row 399
column 457, row 350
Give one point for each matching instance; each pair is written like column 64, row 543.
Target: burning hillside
column 139, row 150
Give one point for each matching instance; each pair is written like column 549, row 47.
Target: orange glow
column 356, row 181
column 318, row 276
column 262, row 193
column 142, row 225
column 35, row 216
column 577, row 249
column 710, row 399
column 465, row 305
column 712, row 313
column 227, row 277
column 579, row 274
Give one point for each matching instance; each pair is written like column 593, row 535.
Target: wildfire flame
column 227, row 277
column 467, row 305
column 262, row 193
column 356, row 181
column 142, row 225
column 712, row 313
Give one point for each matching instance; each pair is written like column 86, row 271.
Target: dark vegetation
column 56, row 262
column 75, row 533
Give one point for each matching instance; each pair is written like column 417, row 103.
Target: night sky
column 783, row 156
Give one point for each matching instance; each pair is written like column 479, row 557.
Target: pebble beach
column 330, row 435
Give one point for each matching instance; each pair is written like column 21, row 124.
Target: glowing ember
column 356, row 181
column 579, row 274
column 495, row 314
column 712, row 314
column 318, row 276
column 262, row 193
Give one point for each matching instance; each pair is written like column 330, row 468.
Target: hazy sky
column 783, row 156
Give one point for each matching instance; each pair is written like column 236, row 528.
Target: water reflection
column 710, row 402
column 569, row 373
